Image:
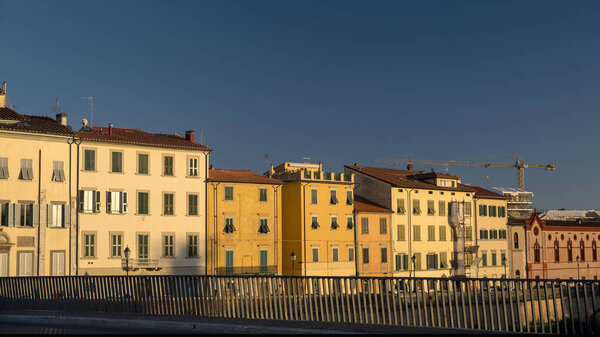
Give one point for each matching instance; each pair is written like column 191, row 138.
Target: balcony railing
column 135, row 264
column 253, row 270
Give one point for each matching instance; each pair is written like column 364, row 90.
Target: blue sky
column 337, row 81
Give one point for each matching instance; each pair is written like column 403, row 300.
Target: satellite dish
column 84, row 122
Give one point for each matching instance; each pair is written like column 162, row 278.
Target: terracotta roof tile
column 137, row 136
column 13, row 121
column 240, row 176
column 404, row 178
column 364, row 205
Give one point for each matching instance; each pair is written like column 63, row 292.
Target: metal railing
column 135, row 264
column 542, row 306
column 254, row 270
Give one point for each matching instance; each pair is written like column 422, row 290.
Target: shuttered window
column 229, row 228
column 143, row 203
column 192, row 245
column 263, row 228
column 228, row 192
column 117, row 162
column 442, row 207
column 168, row 245
column 417, row 233
column 431, row 233
column 116, row 202
column 142, row 163
column 400, row 206
column 58, row 171
column 262, row 194
column 416, row 207
column 401, row 232
column 58, row 215
column 4, row 168
column 26, row 169
column 192, row 204
column 442, row 233
column 382, row 226
column 430, row 207
column 364, row 225
column 168, row 166
column 168, row 204
column 89, row 162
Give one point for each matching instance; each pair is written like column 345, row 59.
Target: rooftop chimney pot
column 409, row 167
column 110, row 128
column 189, row 135
column 61, row 118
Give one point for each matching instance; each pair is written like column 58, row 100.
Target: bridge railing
column 520, row 305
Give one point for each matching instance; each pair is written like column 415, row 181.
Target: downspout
column 527, row 271
column 78, row 142
column 355, row 242
column 70, row 142
column 215, row 249
column 275, row 225
column 39, row 209
column 304, row 224
column 476, row 217
column 205, row 210
column 410, row 230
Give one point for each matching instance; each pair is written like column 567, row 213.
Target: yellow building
column 373, row 238
column 36, row 210
column 318, row 222
column 424, row 240
column 491, row 229
column 244, row 223
column 142, row 191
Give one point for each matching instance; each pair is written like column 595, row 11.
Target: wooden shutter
column 35, row 216
column 50, row 215
column 109, row 200
column 67, row 213
column 97, row 201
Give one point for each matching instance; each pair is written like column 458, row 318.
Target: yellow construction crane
column 519, row 165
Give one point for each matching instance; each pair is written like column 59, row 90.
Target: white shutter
column 3, row 264
column 116, row 199
column 16, row 214
column 88, row 201
column 50, row 215
column 26, row 264
column 124, row 202
column 67, row 213
column 58, row 264
column 36, row 214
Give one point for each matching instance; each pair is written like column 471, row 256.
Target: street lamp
column 413, row 258
column 578, row 268
column 293, row 258
column 127, row 251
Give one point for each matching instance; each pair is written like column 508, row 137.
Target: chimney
column 409, row 167
column 210, row 167
column 62, row 118
column 189, row 135
column 3, row 95
column 110, row 128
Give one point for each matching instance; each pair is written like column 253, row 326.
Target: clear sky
column 341, row 82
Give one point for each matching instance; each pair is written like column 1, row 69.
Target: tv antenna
column 56, row 108
column 91, row 100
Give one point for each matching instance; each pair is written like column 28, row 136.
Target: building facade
column 373, row 239
column 244, row 223
column 565, row 249
column 141, row 192
column 517, row 248
column 318, row 220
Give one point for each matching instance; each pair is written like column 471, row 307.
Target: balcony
column 253, row 270
column 136, row 264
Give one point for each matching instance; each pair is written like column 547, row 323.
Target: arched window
column 556, row 251
column 570, row 250
column 594, row 254
column 536, row 252
column 518, row 273
column 516, row 241
column 582, row 250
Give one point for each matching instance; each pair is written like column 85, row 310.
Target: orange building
column 373, row 238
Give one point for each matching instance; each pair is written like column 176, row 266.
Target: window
column 494, row 258
column 58, row 171
column 5, row 208
column 192, row 245
column 334, row 223
column 143, row 203
column 401, row 262
column 432, row 260
column 89, row 161
column 569, row 251
column 442, row 233
column 142, row 246
column 26, row 169
column 502, row 211
column 443, row 260
column 313, row 196
column 384, row 257
column 401, row 233
column 484, row 258
column 228, row 192
column 365, row 255
column 58, row 215
column 168, row 166
column 516, row 240
column 192, row 204
column 468, row 233
column 482, row 210
column 442, row 207
column 89, row 201
column 333, row 197
column 430, row 207
column 193, row 167
column 168, row 245
column 25, row 266
column 582, row 250
column 334, row 254
column 116, row 202
column 263, row 228
column 416, row 207
column 116, row 245
column 57, row 263
column 3, row 168
column 536, row 252
column 263, row 260
column 556, row 251
column 350, row 224
column 492, row 210
column 116, row 162
column 229, row 228
column 382, row 226
column 262, row 194
column 364, row 225
column 89, row 245
column 229, row 262
column 483, row 234
column 400, row 206
column 315, row 254
column 503, row 257
column 142, row 163
column 417, row 265
column 349, row 199
column 430, row 233
column 168, row 203
column 314, row 222
column 594, row 252
column 350, row 253
column 25, row 215
column 417, row 233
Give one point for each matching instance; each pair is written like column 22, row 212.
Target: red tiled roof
column 13, row 121
column 240, row 176
column 429, row 175
column 486, row 194
column 403, row 178
column 137, row 136
column 364, row 205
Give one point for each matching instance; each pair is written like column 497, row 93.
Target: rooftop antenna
column 91, row 99
column 267, row 158
column 56, row 108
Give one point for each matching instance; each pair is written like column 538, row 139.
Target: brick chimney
column 189, row 135
column 110, row 129
column 3, row 95
column 62, row 118
column 409, row 167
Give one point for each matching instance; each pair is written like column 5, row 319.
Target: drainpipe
column 70, row 142
column 205, row 210
column 409, row 206
column 275, row 225
column 214, row 257
column 78, row 142
column 39, row 209
column 304, row 224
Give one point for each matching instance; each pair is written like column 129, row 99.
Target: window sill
column 142, row 174
column 193, row 177
column 90, row 171
column 115, row 258
column 192, row 215
column 168, row 176
column 112, row 172
column 192, row 257
column 141, row 214
column 169, row 215
column 117, row 213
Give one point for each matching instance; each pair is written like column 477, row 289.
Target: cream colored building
column 36, row 208
column 318, row 220
column 244, row 223
column 142, row 191
column 421, row 225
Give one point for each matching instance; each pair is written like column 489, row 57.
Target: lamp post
column 578, row 268
column 413, row 258
column 127, row 251
column 293, row 258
